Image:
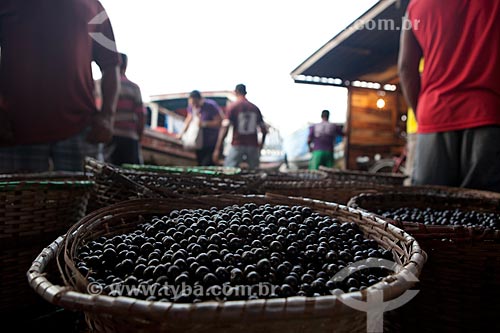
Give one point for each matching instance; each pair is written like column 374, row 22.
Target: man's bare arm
column 110, row 86
column 187, row 122
column 214, row 123
column 410, row 54
column 220, row 140
column 102, row 125
column 264, row 130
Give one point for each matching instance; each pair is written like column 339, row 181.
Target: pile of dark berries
column 293, row 249
column 194, row 184
column 431, row 216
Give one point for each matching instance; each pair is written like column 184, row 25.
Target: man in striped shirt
column 129, row 122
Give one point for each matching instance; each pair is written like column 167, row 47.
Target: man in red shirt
column 47, row 107
column 246, row 119
column 457, row 98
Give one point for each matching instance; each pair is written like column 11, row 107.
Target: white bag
column 193, row 137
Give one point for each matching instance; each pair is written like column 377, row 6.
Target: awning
column 366, row 50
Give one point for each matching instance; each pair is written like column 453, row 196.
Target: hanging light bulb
column 380, row 103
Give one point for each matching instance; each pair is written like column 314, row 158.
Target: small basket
column 364, row 176
column 34, row 209
column 327, row 189
column 295, row 314
column 463, row 267
column 114, row 185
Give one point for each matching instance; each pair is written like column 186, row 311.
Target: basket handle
column 62, row 296
column 36, row 275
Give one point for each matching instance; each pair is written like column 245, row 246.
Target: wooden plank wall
column 373, row 130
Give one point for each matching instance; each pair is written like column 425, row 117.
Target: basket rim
column 363, row 173
column 325, row 184
column 53, row 184
column 70, row 297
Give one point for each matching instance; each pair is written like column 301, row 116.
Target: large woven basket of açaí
column 300, row 248
column 459, row 229
column 364, row 176
column 115, row 184
column 34, row 209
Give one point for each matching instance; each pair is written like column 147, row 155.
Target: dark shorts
column 204, row 156
column 123, row 150
column 467, row 158
column 64, row 155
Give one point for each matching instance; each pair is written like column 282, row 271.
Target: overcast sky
column 181, row 45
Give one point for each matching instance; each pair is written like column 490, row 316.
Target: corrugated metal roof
column 366, row 50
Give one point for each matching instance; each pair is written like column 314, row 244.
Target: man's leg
column 30, row 158
column 120, row 151
column 411, row 146
column 124, row 150
column 234, row 158
column 315, row 161
column 327, row 159
column 199, row 156
column 253, row 157
column 69, row 154
column 480, row 158
column 204, row 156
column 437, row 159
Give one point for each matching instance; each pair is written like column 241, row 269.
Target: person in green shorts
column 321, row 141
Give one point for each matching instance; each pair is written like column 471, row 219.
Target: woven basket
column 32, row 212
column 111, row 186
column 296, row 314
column 114, row 185
column 327, row 190
column 364, row 176
column 464, row 263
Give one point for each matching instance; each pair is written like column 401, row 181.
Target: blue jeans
column 238, row 154
column 63, row 155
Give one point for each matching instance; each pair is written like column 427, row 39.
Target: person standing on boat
column 246, row 119
column 129, row 122
column 210, row 115
column 321, row 141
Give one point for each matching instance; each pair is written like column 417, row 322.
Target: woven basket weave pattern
column 114, row 185
column 297, row 314
column 34, row 209
column 327, row 189
column 464, row 263
column 364, row 176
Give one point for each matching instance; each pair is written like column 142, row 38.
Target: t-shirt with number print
column 245, row 118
